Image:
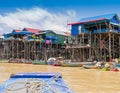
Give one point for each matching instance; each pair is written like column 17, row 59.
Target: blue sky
column 52, row 8
column 81, row 6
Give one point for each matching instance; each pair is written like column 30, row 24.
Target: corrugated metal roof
column 95, row 19
column 16, row 30
column 19, row 33
column 68, row 33
column 107, row 16
column 88, row 21
column 32, row 30
column 60, row 33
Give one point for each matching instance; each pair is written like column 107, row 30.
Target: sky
column 51, row 14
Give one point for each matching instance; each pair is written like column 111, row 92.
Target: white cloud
column 36, row 18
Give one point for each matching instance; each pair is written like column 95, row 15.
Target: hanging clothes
column 48, row 42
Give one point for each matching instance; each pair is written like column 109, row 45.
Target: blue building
column 96, row 24
column 96, row 37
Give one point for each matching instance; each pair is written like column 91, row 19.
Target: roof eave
column 77, row 23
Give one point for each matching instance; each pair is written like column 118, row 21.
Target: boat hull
column 39, row 63
column 35, row 83
column 71, row 65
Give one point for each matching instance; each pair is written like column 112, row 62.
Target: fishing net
column 37, row 85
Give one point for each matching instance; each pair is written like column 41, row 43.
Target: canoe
column 26, row 61
column 98, row 65
column 91, row 67
column 71, row 65
column 4, row 61
column 35, row 83
column 39, row 63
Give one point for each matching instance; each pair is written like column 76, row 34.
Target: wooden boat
column 26, row 61
column 39, row 63
column 98, row 65
column 91, row 67
column 67, row 64
column 35, row 83
column 22, row 60
column 12, row 60
column 4, row 61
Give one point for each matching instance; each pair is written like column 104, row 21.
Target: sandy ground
column 79, row 79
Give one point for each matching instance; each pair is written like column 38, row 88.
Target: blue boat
column 117, row 66
column 35, row 83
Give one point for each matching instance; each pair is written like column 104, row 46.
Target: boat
column 70, row 64
column 91, row 67
column 12, row 60
column 58, row 61
column 55, row 61
column 51, row 61
column 3, row 61
column 26, row 61
column 35, row 83
column 117, row 65
column 39, row 63
column 22, row 60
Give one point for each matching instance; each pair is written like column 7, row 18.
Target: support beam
column 110, row 46
column 119, row 46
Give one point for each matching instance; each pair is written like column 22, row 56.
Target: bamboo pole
column 12, row 47
column 101, row 46
column 110, row 45
column 119, row 46
column 17, row 49
column 113, row 46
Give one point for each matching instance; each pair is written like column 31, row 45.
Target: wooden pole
column 101, row 46
column 113, row 47
column 90, row 45
column 119, row 46
column 83, row 54
column 12, row 47
column 17, row 48
column 110, row 46
column 29, row 50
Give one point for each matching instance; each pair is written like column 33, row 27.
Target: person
column 98, row 64
column 116, row 60
column 107, row 65
column 102, row 64
column 110, row 66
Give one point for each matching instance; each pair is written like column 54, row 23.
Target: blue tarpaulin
column 51, row 37
column 31, row 82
